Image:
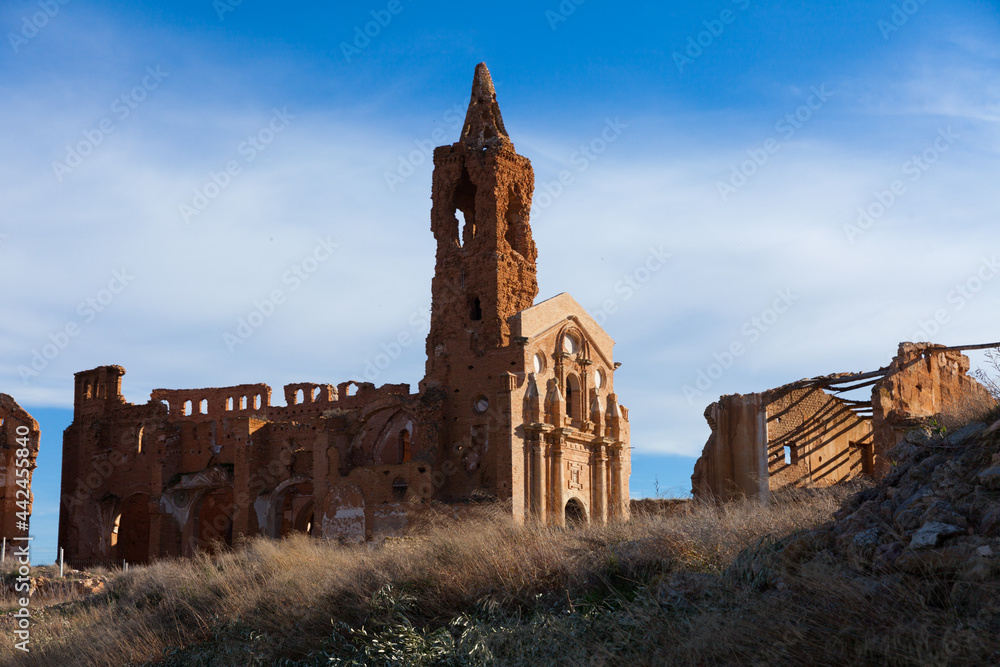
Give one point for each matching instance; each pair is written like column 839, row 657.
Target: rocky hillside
column 931, row 526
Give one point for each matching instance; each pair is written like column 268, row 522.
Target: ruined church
column 517, row 405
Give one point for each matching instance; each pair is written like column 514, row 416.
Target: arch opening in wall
column 229, row 404
column 300, row 397
column 188, row 408
column 243, row 402
column 315, row 394
column 475, row 309
column 130, row 531
column 203, row 406
column 256, row 402
column 465, row 208
column 293, row 509
column 214, row 519
column 570, row 344
column 305, row 519
column 575, row 513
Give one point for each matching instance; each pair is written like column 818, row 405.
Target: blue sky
column 822, row 176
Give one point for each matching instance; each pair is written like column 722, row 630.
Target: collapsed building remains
column 517, row 405
column 807, row 434
column 19, row 441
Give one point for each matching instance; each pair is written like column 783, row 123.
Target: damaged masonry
column 807, row 434
column 517, row 405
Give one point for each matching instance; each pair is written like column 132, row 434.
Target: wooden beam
column 960, row 348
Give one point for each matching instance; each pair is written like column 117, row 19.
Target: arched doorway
column 293, row 509
column 130, row 533
column 576, row 515
column 305, row 519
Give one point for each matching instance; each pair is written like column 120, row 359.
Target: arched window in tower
column 515, row 222
column 465, row 208
column 475, row 309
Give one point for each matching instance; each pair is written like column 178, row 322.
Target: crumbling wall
column 734, row 461
column 814, row 439
column 19, row 441
column 924, row 381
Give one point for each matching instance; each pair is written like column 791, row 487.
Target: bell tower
column 485, row 263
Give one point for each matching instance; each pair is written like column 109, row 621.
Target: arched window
column 574, row 399
column 300, row 397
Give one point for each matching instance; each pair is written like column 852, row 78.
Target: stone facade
column 517, row 405
column 802, row 435
column 19, row 440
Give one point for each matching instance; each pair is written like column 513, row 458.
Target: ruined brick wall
column 814, row 439
column 924, row 381
column 194, row 466
column 19, row 442
column 784, row 437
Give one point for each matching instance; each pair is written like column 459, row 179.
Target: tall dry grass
column 485, row 591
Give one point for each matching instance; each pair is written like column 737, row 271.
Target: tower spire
column 483, row 122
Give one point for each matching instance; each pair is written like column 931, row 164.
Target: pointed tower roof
column 483, row 122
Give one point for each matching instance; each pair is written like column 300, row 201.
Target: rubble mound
column 933, row 521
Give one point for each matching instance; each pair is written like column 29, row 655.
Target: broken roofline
column 834, row 379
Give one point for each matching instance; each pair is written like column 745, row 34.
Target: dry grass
column 459, row 593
